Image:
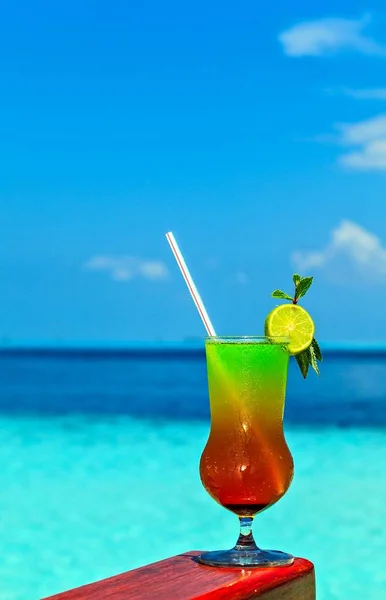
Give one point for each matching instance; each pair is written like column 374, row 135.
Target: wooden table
column 182, row 578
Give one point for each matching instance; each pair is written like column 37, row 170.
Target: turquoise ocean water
column 99, row 461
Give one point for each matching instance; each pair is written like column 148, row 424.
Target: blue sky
column 258, row 135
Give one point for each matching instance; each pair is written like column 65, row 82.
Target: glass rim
column 275, row 339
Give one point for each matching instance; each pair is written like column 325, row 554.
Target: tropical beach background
column 257, row 134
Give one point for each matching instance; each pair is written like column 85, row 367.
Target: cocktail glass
column 246, row 465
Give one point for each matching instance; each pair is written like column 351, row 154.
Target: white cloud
column 368, row 139
column 366, row 94
column 371, row 157
column 124, row 268
column 328, row 36
column 361, row 247
column 364, row 131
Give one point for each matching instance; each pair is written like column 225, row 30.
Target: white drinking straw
column 190, row 283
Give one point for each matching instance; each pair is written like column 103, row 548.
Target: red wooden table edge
column 267, row 578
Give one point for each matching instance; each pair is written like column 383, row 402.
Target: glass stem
column 246, row 541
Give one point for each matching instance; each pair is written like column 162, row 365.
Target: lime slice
column 291, row 320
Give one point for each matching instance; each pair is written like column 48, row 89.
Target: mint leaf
column 308, row 358
column 303, row 285
column 304, row 360
column 317, row 350
column 296, row 278
column 314, row 363
column 281, row 294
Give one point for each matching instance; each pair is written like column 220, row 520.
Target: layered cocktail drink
column 246, row 465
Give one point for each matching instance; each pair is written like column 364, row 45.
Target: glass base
column 246, row 558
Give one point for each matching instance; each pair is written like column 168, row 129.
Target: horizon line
column 188, row 346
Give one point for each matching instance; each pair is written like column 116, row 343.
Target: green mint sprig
column 312, row 355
